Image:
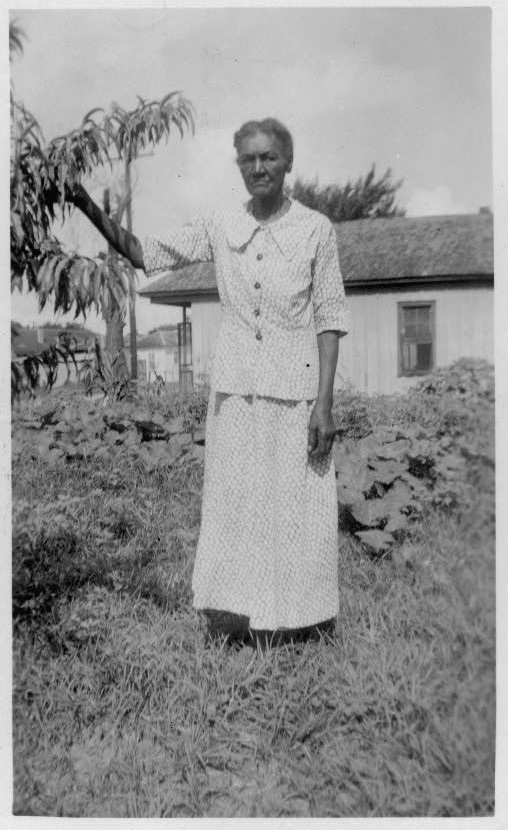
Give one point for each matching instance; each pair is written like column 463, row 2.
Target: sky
column 402, row 88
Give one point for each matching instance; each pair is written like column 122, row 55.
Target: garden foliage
column 121, row 709
column 387, row 474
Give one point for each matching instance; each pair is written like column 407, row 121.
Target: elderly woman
column 266, row 563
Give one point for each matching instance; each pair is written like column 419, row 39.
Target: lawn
column 122, row 709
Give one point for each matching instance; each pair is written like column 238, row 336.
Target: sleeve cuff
column 340, row 324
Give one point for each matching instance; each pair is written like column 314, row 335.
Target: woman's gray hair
column 268, row 126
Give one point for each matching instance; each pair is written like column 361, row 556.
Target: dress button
column 259, row 256
column 257, row 285
column 257, row 312
column 259, row 336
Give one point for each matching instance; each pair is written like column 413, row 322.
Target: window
column 151, row 361
column 416, row 338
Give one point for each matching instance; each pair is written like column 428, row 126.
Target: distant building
column 28, row 342
column 420, row 291
column 158, row 355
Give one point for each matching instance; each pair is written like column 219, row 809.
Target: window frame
column 401, row 306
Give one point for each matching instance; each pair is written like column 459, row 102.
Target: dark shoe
column 285, row 636
column 234, row 628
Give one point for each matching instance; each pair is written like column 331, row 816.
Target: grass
column 120, row 709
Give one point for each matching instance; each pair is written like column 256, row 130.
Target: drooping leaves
column 40, row 175
column 41, row 370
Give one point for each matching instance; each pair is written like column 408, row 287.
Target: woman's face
column 262, row 165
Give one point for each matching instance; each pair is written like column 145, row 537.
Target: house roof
column 192, row 280
column 34, row 341
column 376, row 252
column 413, row 248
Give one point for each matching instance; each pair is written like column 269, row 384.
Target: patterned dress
column 268, row 543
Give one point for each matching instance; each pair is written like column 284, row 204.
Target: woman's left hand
column 321, row 431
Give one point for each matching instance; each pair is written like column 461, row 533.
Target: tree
column 367, row 198
column 16, row 36
column 40, row 173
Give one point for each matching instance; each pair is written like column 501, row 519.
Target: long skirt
column 268, row 546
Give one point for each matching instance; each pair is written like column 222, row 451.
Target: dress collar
column 242, row 225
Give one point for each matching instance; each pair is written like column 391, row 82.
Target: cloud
column 436, row 202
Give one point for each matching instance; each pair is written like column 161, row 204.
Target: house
column 158, row 355
column 32, row 342
column 420, row 292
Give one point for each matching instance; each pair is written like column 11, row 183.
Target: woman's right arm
column 121, row 240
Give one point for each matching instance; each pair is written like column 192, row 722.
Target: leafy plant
column 466, row 379
column 40, row 175
column 97, row 371
column 79, row 433
column 387, row 478
column 394, row 472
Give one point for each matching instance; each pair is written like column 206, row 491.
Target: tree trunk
column 115, row 349
column 115, row 323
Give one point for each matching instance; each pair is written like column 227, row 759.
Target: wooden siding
column 368, row 355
